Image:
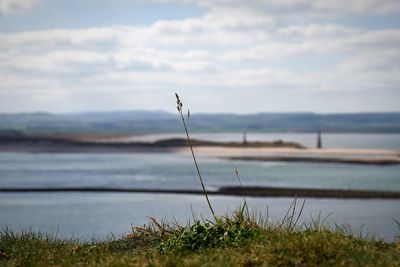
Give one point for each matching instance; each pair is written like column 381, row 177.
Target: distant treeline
column 131, row 122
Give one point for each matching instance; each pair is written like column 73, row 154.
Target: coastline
column 304, row 155
column 253, row 151
column 249, row 191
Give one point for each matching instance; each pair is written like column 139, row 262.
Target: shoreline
column 332, row 160
column 253, row 151
column 248, row 191
column 322, row 156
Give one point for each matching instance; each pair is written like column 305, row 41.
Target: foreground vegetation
column 236, row 241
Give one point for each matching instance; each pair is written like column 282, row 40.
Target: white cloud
column 60, row 60
column 316, row 31
column 382, row 38
column 17, row 81
column 379, row 59
column 235, row 47
column 10, row 6
column 301, row 7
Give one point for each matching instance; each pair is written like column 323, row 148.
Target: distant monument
column 319, row 141
column 244, row 138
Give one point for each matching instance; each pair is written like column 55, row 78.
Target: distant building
column 319, row 141
column 244, row 138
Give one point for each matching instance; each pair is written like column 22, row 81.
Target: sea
column 100, row 216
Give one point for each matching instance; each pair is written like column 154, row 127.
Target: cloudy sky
column 219, row 55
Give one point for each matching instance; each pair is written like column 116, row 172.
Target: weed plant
column 179, row 106
column 225, row 232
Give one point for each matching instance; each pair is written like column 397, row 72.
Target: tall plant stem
column 197, row 166
column 242, row 191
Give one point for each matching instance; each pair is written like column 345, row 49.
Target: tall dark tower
column 244, row 138
column 319, row 141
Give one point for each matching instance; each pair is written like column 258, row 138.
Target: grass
column 179, row 106
column 238, row 240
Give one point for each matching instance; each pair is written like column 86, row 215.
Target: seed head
column 178, row 103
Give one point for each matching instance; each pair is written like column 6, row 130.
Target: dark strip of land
column 251, row 191
column 48, row 142
column 259, row 191
column 342, row 160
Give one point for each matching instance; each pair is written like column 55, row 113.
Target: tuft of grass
column 28, row 247
column 225, row 232
column 239, row 240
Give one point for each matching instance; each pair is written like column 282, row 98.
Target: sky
column 332, row 56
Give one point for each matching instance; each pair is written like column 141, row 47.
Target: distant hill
column 158, row 121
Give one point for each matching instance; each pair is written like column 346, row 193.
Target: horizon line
column 192, row 112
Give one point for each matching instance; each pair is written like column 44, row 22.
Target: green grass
column 238, row 240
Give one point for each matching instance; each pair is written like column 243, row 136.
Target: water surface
column 87, row 215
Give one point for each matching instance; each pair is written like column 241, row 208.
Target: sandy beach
column 303, row 151
column 325, row 155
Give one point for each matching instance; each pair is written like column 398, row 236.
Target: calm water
column 99, row 214
column 163, row 170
